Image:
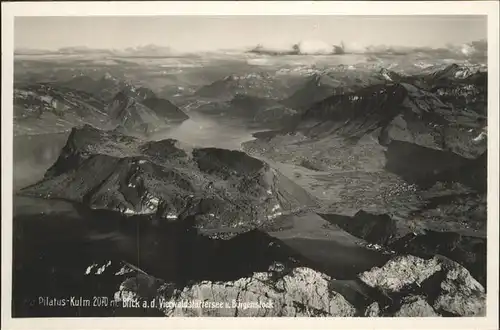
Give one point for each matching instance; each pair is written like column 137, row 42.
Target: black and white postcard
column 176, row 161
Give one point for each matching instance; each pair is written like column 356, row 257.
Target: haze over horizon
column 208, row 33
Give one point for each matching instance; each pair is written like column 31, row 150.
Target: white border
column 489, row 8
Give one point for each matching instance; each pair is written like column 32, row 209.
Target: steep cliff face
column 220, row 188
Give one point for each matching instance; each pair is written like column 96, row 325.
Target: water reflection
column 33, row 155
column 202, row 131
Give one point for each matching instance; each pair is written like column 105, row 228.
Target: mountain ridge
column 220, row 188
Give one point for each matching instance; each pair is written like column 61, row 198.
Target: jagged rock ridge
column 413, row 287
column 302, row 292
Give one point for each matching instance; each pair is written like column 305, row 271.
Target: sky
column 193, row 33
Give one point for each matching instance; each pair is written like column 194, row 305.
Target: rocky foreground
column 132, row 262
column 406, row 286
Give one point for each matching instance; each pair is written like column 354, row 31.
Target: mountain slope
column 221, row 189
column 165, row 109
column 250, row 110
column 322, row 85
column 43, row 108
column 260, row 84
column 464, row 87
column 51, row 107
column 403, row 112
column 133, row 116
column 107, row 87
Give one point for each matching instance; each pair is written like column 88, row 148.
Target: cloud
column 472, row 50
column 317, row 47
column 314, row 47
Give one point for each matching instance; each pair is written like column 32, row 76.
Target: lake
column 34, row 154
column 203, row 131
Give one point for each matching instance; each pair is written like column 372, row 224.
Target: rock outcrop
column 443, row 289
column 415, row 306
column 469, row 251
column 302, row 292
column 373, row 310
column 400, row 272
column 399, row 236
column 415, row 284
column 460, row 293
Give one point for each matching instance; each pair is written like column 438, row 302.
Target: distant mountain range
column 147, row 50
